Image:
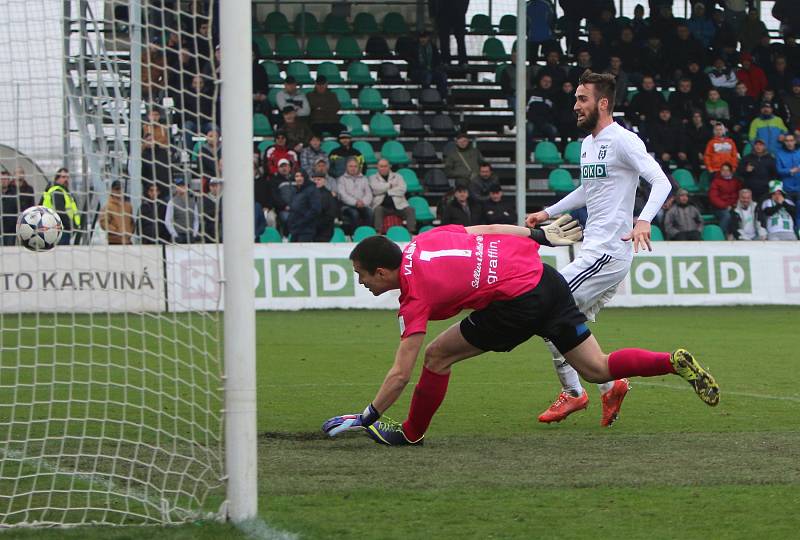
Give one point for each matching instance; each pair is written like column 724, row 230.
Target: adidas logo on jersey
column 593, row 170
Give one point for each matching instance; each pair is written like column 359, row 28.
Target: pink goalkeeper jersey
column 447, row 269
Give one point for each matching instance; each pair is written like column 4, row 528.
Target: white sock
column 605, row 387
column 570, row 382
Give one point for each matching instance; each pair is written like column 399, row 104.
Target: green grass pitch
column 670, row 468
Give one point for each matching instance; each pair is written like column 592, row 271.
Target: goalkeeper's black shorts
column 548, row 311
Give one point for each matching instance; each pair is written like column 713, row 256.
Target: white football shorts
column 593, row 281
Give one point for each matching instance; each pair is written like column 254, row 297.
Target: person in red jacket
column 277, row 152
column 752, row 76
column 723, row 195
column 720, row 149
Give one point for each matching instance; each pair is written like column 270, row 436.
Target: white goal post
column 121, row 403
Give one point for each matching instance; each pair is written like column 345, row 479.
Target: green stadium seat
column 366, row 149
column 395, row 152
column 713, row 233
column 572, row 153
column 709, row 218
column 380, row 125
column 195, row 153
column 560, row 180
column 748, row 148
column 421, row 209
column 270, row 236
column 547, row 153
column 370, row 99
column 413, row 184
column 365, row 23
column 358, row 73
column 263, row 145
column 277, row 23
column 631, row 95
column 300, row 71
column 394, row 23
column 317, row 47
column 261, row 43
column 344, row 98
column 704, row 181
column 329, row 146
column 272, row 96
column 306, row 23
column 685, row 180
column 493, row 49
column 353, row 124
column 286, row 47
column 666, row 92
column 655, row 234
column 364, row 231
column 370, row 172
column 273, row 72
column 498, row 72
column 331, row 72
column 338, row 236
column 481, row 24
column 508, row 24
column 398, row 233
column 334, row 24
column 347, row 48
column 425, row 228
column 261, row 125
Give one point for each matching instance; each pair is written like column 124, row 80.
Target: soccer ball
column 39, row 228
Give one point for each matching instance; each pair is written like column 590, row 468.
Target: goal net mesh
column 110, row 377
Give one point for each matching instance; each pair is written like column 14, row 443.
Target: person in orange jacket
column 720, row 149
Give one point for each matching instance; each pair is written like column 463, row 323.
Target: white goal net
column 111, row 399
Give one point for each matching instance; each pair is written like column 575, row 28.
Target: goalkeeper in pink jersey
column 496, row 271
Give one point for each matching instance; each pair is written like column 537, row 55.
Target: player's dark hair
column 377, row 252
column 604, row 85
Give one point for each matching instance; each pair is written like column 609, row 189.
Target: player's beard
column 589, row 121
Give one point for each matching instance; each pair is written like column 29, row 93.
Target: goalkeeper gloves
column 351, row 422
column 562, row 232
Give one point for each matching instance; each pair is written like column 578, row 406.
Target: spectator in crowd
column 723, row 194
column 700, row 81
column 722, row 77
column 768, row 127
column 479, row 187
column 329, row 208
column 778, row 108
column 355, row 195
column 58, row 198
column 339, row 156
column 260, row 87
column 780, row 75
column 291, row 95
column 716, row 107
column 628, row 51
column 153, row 72
column 498, row 209
column 183, row 215
column 725, row 37
column 324, row 108
column 757, row 169
column 425, row 65
column 574, row 12
column 654, row 58
column 744, row 218
column 564, row 102
column 9, row 209
column 700, row 25
column 787, row 13
column 720, row 149
column 696, row 135
column 683, row 220
column 155, row 162
column 598, row 49
column 644, row 106
column 683, row 49
column 778, row 214
column 621, row 77
column 742, row 109
column 793, row 105
column 462, row 163
column 116, row 217
column 666, row 140
column 541, row 112
column 752, row 76
column 541, row 26
column 389, row 197
column 321, row 167
column 211, row 212
column 460, row 210
column 297, row 132
column 210, row 155
column 24, row 189
column 278, row 151
column 259, row 221
column 451, row 19
column 153, row 216
column 155, row 128
column 662, row 20
column 683, row 101
column 304, row 209
column 640, row 24
column 281, row 191
column 197, row 107
column 763, row 52
column 787, row 161
column 508, row 80
column 553, row 66
column 607, row 24
column 584, row 62
column 312, row 153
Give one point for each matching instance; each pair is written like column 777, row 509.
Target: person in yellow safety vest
column 57, row 197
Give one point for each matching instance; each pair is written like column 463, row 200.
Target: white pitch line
column 257, row 529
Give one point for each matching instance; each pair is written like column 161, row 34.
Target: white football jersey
column 611, row 165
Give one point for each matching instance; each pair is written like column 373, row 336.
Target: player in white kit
column 612, row 160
